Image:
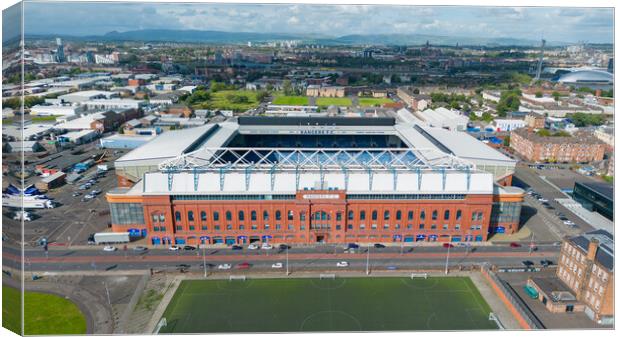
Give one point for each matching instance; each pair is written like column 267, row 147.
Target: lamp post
column 531, row 243
column 447, row 258
column 287, row 270
column 204, row 260
column 368, row 260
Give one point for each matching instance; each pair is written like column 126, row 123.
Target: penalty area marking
column 409, row 282
column 355, row 320
column 322, row 283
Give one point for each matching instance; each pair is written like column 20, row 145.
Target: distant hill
column 219, row 37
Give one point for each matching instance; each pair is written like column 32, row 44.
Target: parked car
column 236, row 247
column 189, row 248
column 284, row 247
column 109, row 249
column 253, row 246
column 76, row 194
column 527, row 263
column 277, row 265
column 379, row 245
column 174, row 248
column 183, row 265
column 515, row 245
column 266, row 246
column 448, row 245
column 342, row 264
column 243, row 265
column 353, row 246
column 546, row 263
column 224, row 266
column 140, row 248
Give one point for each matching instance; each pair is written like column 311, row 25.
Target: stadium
column 314, row 179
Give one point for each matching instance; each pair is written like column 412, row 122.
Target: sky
column 560, row 24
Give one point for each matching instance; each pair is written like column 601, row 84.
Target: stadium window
column 302, row 227
column 203, row 216
column 445, row 226
column 362, row 215
column 386, row 215
column 229, row 227
column 192, row 227
column 162, row 218
column 190, row 216
column 254, row 227
column 397, row 226
column 177, row 216
column 278, row 215
column 253, row 215
column 374, row 215
column 386, row 226
column 458, row 214
column 433, row 226
column 302, row 216
column 228, row 216
column 446, row 215
column 480, row 215
column 155, row 217
column 409, row 226
column 338, row 216
column 265, row 215
column 373, row 226
column 421, row 226
column 216, row 216
column 217, row 227
column 324, row 216
column 350, row 226
column 362, row 226
column 179, row 228
column 204, row 228
column 291, row 215
column 162, row 228
column 351, row 215
column 423, row 215
column 338, row 227
column 291, row 227
column 241, row 227
column 278, row 227
column 156, row 229
column 241, row 216
column 457, row 227
column 399, row 215
column 267, row 226
column 473, row 216
column 434, row 215
column 410, row 215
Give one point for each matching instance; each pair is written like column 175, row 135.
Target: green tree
column 539, row 94
column 556, row 95
column 287, row 87
column 507, row 141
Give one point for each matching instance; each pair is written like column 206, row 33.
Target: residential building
column 535, row 121
column 580, row 148
column 325, row 91
column 415, row 101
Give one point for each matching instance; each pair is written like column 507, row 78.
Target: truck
column 16, row 202
column 83, row 166
column 111, row 237
column 102, row 167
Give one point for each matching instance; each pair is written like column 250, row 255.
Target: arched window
column 291, row 215
column 458, row 214
column 228, row 216
column 423, row 215
column 410, row 215
column 302, row 216
column 190, row 216
column 253, row 215
column 203, row 216
column 265, row 215
column 386, row 215
column 216, row 216
column 434, row 216
column 351, row 215
column 399, row 215
column 362, row 215
column 325, row 216
column 177, row 216
column 278, row 215
column 374, row 215
column 446, row 215
column 241, row 216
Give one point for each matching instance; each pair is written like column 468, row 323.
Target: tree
column 416, row 91
column 261, row 95
column 487, row 117
column 287, row 87
column 479, row 91
column 539, row 94
column 556, row 95
column 508, row 101
column 507, row 141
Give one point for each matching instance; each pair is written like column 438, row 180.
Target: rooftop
column 604, row 189
column 577, row 138
column 605, row 252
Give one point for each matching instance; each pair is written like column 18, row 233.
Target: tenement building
column 314, row 179
column 579, row 148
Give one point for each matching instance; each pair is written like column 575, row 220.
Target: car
column 448, row 245
column 568, row 222
column 546, row 263
column 95, row 191
column 109, row 249
column 353, row 246
column 277, row 265
column 391, row 268
column 543, row 200
column 140, row 249
column 189, row 248
column 89, row 197
column 342, row 264
column 253, row 246
column 236, row 247
column 557, row 243
column 243, row 265
column 266, row 246
column 527, row 263
column 379, row 246
column 224, row 266
column 563, row 218
column 284, row 247
column 515, row 245
column 174, row 248
column 76, row 194
column 183, row 265
column 82, row 187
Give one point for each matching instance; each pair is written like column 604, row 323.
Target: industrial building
column 595, row 197
column 307, row 180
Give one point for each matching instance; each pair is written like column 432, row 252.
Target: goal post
column 237, row 277
column 493, row 317
column 327, row 276
column 419, row 275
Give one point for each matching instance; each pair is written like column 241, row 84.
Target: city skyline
column 569, row 25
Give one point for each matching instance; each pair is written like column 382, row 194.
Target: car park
column 224, row 266
column 342, row 264
column 174, row 248
column 109, row 249
column 277, row 265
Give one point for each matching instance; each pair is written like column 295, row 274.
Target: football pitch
column 313, row 304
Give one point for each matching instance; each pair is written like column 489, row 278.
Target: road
column 300, row 258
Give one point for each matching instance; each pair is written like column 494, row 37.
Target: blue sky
column 555, row 24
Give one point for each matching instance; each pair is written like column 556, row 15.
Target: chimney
column 592, row 248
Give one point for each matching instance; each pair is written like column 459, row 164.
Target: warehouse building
column 308, row 180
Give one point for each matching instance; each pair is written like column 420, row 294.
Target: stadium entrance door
column 321, row 238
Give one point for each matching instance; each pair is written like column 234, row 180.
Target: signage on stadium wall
column 317, row 132
column 321, row 196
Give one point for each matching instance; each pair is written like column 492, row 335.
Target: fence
column 522, row 313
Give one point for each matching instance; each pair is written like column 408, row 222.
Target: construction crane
column 540, row 60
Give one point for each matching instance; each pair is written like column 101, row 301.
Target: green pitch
column 371, row 101
column 291, row 100
column 45, row 314
column 342, row 304
column 324, row 102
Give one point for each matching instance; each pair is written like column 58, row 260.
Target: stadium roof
column 587, row 76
